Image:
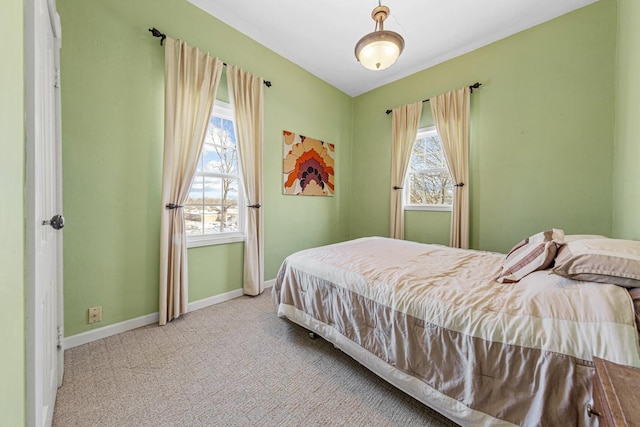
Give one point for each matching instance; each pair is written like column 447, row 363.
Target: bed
column 434, row 322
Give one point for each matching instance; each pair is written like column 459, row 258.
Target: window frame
column 225, row 111
column 423, row 132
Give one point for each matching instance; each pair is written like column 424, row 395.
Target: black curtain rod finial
column 476, row 85
column 156, row 33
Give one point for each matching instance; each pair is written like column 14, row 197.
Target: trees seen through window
column 428, row 180
column 214, row 207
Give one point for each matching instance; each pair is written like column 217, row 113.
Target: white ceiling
column 320, row 36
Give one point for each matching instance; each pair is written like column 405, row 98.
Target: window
column 214, row 210
column 428, row 184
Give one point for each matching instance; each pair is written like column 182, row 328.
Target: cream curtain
column 246, row 93
column 191, row 82
column 451, row 113
column 404, row 128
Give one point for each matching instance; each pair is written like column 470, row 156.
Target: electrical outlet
column 95, row 314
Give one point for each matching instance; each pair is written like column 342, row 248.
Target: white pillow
column 573, row 237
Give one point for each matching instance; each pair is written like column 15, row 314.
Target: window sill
column 433, row 208
column 196, row 242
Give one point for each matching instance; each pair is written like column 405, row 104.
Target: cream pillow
column 574, row 237
column 614, row 261
column 533, row 253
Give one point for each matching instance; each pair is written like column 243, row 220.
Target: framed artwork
column 308, row 166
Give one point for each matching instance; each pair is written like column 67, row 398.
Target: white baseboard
column 109, row 330
column 216, row 299
column 138, row 322
column 127, row 325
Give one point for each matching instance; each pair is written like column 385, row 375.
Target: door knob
column 56, row 222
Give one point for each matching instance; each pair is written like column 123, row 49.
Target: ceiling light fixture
column 379, row 49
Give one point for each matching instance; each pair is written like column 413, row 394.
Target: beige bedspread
column 432, row 321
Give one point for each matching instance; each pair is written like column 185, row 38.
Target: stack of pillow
column 590, row 258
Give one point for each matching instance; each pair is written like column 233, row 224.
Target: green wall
column 626, row 177
column 112, row 110
column 541, row 146
column 12, row 223
column 541, row 134
column 547, row 92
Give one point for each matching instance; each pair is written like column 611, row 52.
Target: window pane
column 427, row 154
column 214, row 204
column 428, row 178
column 212, row 219
column 230, row 190
column 229, row 217
column 195, row 193
column 212, row 190
column 434, row 156
column 227, row 126
column 212, row 162
column 215, row 122
column 220, row 154
column 193, row 224
column 221, row 160
column 230, row 161
column 430, row 189
column 417, row 156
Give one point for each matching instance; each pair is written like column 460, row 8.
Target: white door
column 44, row 222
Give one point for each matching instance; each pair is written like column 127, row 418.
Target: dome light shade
column 379, row 49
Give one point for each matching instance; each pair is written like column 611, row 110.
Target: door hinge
column 56, row 78
column 60, row 336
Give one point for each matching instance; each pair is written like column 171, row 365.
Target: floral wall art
column 308, row 166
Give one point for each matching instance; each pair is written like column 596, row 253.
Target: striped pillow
column 533, row 253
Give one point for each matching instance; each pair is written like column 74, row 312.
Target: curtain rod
column 476, row 85
column 156, row 33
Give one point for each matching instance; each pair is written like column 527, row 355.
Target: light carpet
column 231, row 364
